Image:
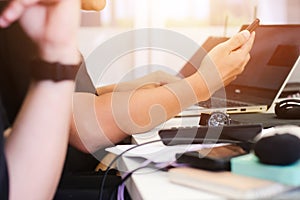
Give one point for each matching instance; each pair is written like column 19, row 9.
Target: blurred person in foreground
column 39, row 136
column 144, row 103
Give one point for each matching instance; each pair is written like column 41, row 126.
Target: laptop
column 274, row 56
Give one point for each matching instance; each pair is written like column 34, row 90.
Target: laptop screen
column 274, row 53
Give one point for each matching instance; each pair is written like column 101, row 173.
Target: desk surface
column 152, row 184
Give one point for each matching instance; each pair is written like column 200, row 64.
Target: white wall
column 91, row 37
column 279, row 11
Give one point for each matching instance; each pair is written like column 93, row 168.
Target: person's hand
column 51, row 24
column 226, row 61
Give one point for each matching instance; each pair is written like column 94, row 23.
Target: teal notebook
column 249, row 165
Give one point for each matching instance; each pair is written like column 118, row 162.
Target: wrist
column 67, row 54
column 199, row 86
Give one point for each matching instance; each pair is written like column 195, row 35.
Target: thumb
column 238, row 40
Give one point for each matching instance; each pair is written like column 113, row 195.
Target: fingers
column 11, row 13
column 248, row 46
column 247, row 58
column 237, row 40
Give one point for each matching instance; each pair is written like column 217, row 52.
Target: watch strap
column 43, row 70
column 204, row 119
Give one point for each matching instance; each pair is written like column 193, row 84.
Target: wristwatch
column 214, row 119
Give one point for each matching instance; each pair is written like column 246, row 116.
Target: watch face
column 218, row 119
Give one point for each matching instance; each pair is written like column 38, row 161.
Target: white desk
column 148, row 184
column 151, row 184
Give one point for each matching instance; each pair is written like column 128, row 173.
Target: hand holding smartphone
column 252, row 27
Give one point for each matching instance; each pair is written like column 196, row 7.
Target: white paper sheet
column 158, row 152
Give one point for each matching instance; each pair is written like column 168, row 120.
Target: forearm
column 152, row 80
column 36, row 148
column 107, row 119
column 39, row 139
column 125, row 86
column 141, row 110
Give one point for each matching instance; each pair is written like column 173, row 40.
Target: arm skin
column 152, row 80
column 36, row 148
column 103, row 120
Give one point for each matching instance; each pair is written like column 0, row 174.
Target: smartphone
column 253, row 25
column 213, row 159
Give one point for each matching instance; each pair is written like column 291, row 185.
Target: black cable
column 159, row 140
column 116, row 190
column 115, row 159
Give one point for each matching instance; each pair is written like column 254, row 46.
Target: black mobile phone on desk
column 213, row 159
